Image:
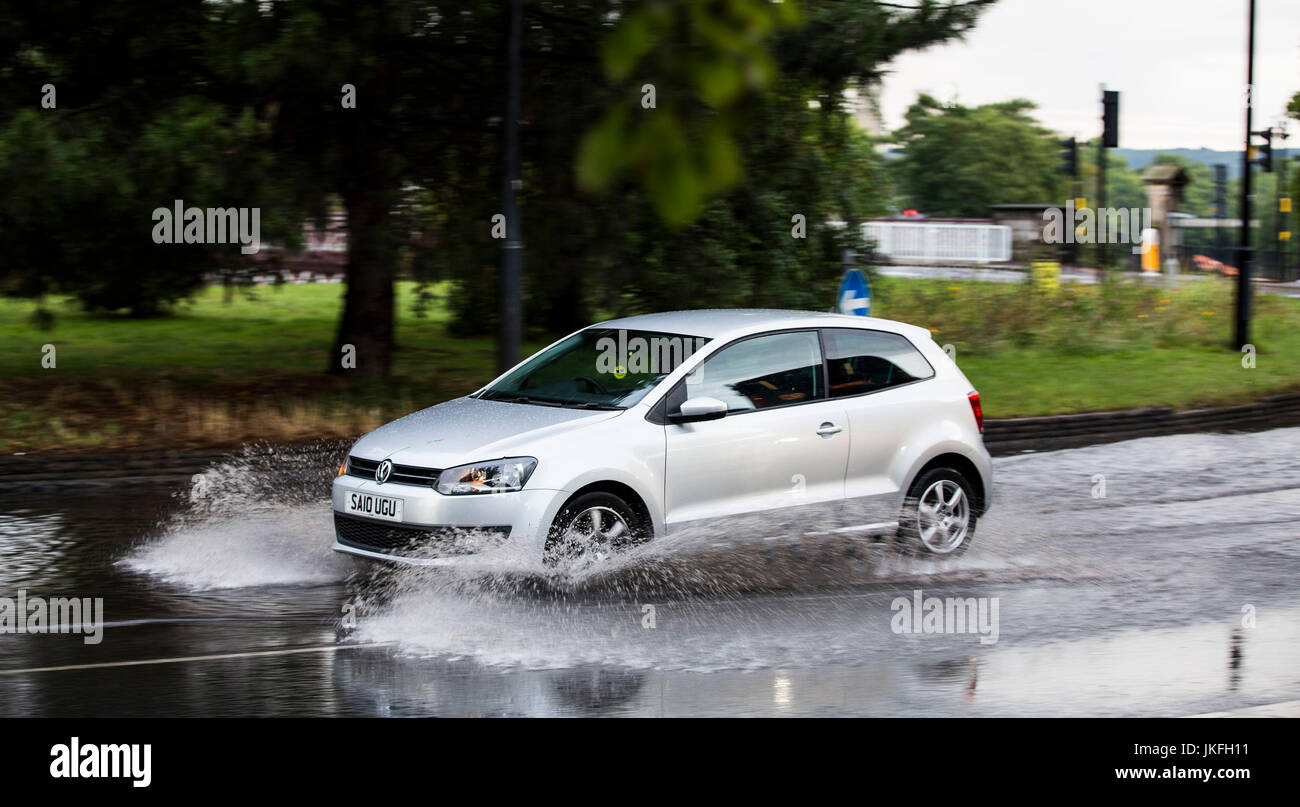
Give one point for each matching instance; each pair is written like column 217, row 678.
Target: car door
column 780, row 451
column 878, row 377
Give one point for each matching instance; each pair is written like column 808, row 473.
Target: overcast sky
column 1180, row 67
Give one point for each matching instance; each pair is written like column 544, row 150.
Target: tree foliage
column 625, row 208
column 958, row 160
column 136, row 122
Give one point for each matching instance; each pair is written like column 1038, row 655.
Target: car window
column 862, row 361
column 597, row 367
column 762, row 372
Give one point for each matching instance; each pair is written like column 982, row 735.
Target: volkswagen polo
column 632, row 429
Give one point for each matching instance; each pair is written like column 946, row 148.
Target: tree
column 368, row 104
column 1124, row 186
column 115, row 116
column 712, row 62
column 692, row 199
column 958, row 160
column 390, row 111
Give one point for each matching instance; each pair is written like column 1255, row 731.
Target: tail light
column 976, row 410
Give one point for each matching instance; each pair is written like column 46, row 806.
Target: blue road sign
column 855, row 294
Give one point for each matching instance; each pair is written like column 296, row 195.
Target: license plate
column 368, row 504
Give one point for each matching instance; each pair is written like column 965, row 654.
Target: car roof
column 729, row 323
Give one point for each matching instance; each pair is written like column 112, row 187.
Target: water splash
column 721, row 594
column 259, row 518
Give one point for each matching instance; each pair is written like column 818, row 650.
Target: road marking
column 328, row 648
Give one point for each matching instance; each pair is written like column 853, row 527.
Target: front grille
column 401, row 475
column 403, row 539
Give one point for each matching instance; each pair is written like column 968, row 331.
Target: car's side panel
column 955, row 431
column 885, row 426
column 941, row 438
column 759, row 461
column 897, row 430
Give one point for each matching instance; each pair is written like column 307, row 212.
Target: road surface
column 1150, row 577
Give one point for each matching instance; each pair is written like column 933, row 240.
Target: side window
column 861, row 361
column 773, row 370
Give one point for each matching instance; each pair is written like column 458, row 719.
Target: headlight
column 493, row 476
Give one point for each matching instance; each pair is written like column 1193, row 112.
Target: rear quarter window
column 865, row 361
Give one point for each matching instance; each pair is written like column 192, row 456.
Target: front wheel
column 938, row 518
column 593, row 527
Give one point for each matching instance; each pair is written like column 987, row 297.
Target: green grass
column 268, row 329
column 1081, row 349
column 215, row 374
column 218, row 374
column 1025, row 382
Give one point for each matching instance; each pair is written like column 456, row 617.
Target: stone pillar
column 1165, row 183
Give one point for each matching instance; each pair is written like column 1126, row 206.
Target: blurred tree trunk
column 367, row 321
column 369, row 191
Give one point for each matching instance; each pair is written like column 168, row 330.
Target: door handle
column 827, row 429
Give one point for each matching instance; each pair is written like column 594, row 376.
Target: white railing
column 940, row 242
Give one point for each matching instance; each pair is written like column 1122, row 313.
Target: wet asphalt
column 1154, row 577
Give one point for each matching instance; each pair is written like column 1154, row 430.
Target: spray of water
column 258, row 518
column 262, row 518
column 701, row 599
column 745, row 595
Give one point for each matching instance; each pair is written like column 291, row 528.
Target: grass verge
column 217, row 374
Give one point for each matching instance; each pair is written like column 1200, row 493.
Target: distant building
column 1026, row 222
column 324, row 255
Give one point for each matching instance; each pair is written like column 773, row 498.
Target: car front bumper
column 524, row 516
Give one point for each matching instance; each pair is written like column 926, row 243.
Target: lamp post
column 512, row 252
column 1242, row 332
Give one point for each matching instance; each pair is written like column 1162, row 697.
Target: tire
column 594, row 526
column 929, row 529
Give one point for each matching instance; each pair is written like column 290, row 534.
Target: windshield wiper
column 514, row 397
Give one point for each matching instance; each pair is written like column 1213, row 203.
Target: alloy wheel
column 943, row 516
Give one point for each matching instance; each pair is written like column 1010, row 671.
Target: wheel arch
column 625, row 492
column 962, row 464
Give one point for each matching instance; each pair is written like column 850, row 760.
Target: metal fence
column 939, row 242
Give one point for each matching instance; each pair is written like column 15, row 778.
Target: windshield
column 599, row 368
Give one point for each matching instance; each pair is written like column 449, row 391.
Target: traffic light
column 1069, row 156
column 1262, row 155
column 1110, row 119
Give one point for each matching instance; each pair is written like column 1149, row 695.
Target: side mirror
column 702, row 408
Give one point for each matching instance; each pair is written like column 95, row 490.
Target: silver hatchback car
column 635, row 428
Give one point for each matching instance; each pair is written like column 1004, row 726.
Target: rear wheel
column 593, row 527
column 938, row 518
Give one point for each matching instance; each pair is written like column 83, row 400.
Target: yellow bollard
column 1046, row 275
column 1150, row 250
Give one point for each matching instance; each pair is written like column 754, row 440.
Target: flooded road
column 1150, row 577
